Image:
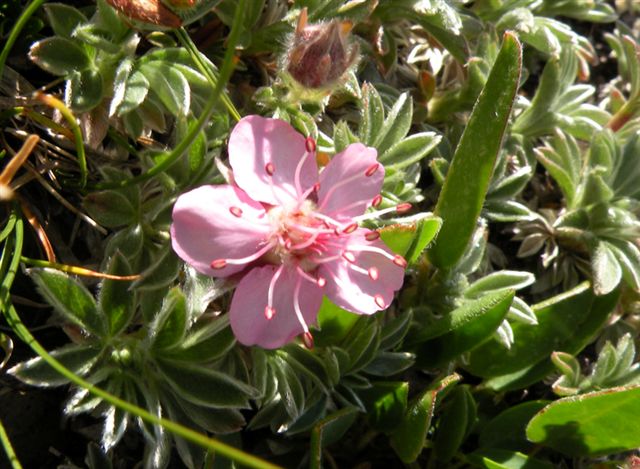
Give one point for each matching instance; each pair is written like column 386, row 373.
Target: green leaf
column 362, row 343
column 606, row 269
column 507, row 429
column 207, row 341
column 593, row 424
column 77, row 358
column 410, row 237
column 86, row 89
column 134, row 91
column 458, row 416
column 329, row 430
column 115, row 300
column 169, row 325
column 396, row 124
column 466, row 314
column 59, row 56
column 409, row 438
column 334, row 323
column 467, row 181
column 372, row 114
column 386, row 404
column 110, row 208
column 409, row 150
column 389, row 363
column 473, row 329
column 63, row 18
column 505, row 459
column 169, row 85
column 204, row 386
column 69, row 298
column 504, row 279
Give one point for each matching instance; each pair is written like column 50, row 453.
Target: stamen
column 296, row 305
column 307, row 338
column 350, row 228
column 403, row 207
column 272, row 287
column 349, row 257
column 377, row 200
column 307, row 276
column 269, row 312
column 379, row 301
column 270, row 169
column 400, row 208
column 220, row 263
column 310, row 144
column 400, row 261
column 296, row 178
column 374, row 273
column 371, row 170
column 236, row 211
column 372, row 235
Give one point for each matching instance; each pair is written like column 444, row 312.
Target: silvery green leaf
column 606, row 269
column 504, row 333
column 396, row 124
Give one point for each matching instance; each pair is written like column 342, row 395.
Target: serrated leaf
column 70, row 298
column 59, row 56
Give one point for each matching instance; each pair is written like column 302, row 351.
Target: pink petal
column 357, row 291
column 345, row 188
column 257, row 141
column 247, row 313
column 205, row 229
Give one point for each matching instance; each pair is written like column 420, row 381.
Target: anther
column 400, row 261
column 321, row 281
column 350, row 228
column 218, row 264
column 377, row 200
column 310, row 144
column 270, row 169
column 404, row 207
column 316, row 187
column 372, row 235
column 307, row 338
column 379, row 301
column 269, row 312
column 349, row 257
column 236, row 211
column 372, row 169
column 374, row 273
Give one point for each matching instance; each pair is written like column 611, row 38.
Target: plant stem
column 16, row 30
column 8, row 448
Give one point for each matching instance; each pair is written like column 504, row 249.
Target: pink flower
column 293, row 233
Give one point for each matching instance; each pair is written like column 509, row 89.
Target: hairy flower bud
column 320, row 54
column 147, row 11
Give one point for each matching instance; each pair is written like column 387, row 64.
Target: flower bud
column 320, row 54
column 147, row 12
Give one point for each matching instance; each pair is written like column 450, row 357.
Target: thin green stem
column 14, row 245
column 75, row 128
column 207, row 70
column 16, row 30
column 173, row 156
column 8, row 448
